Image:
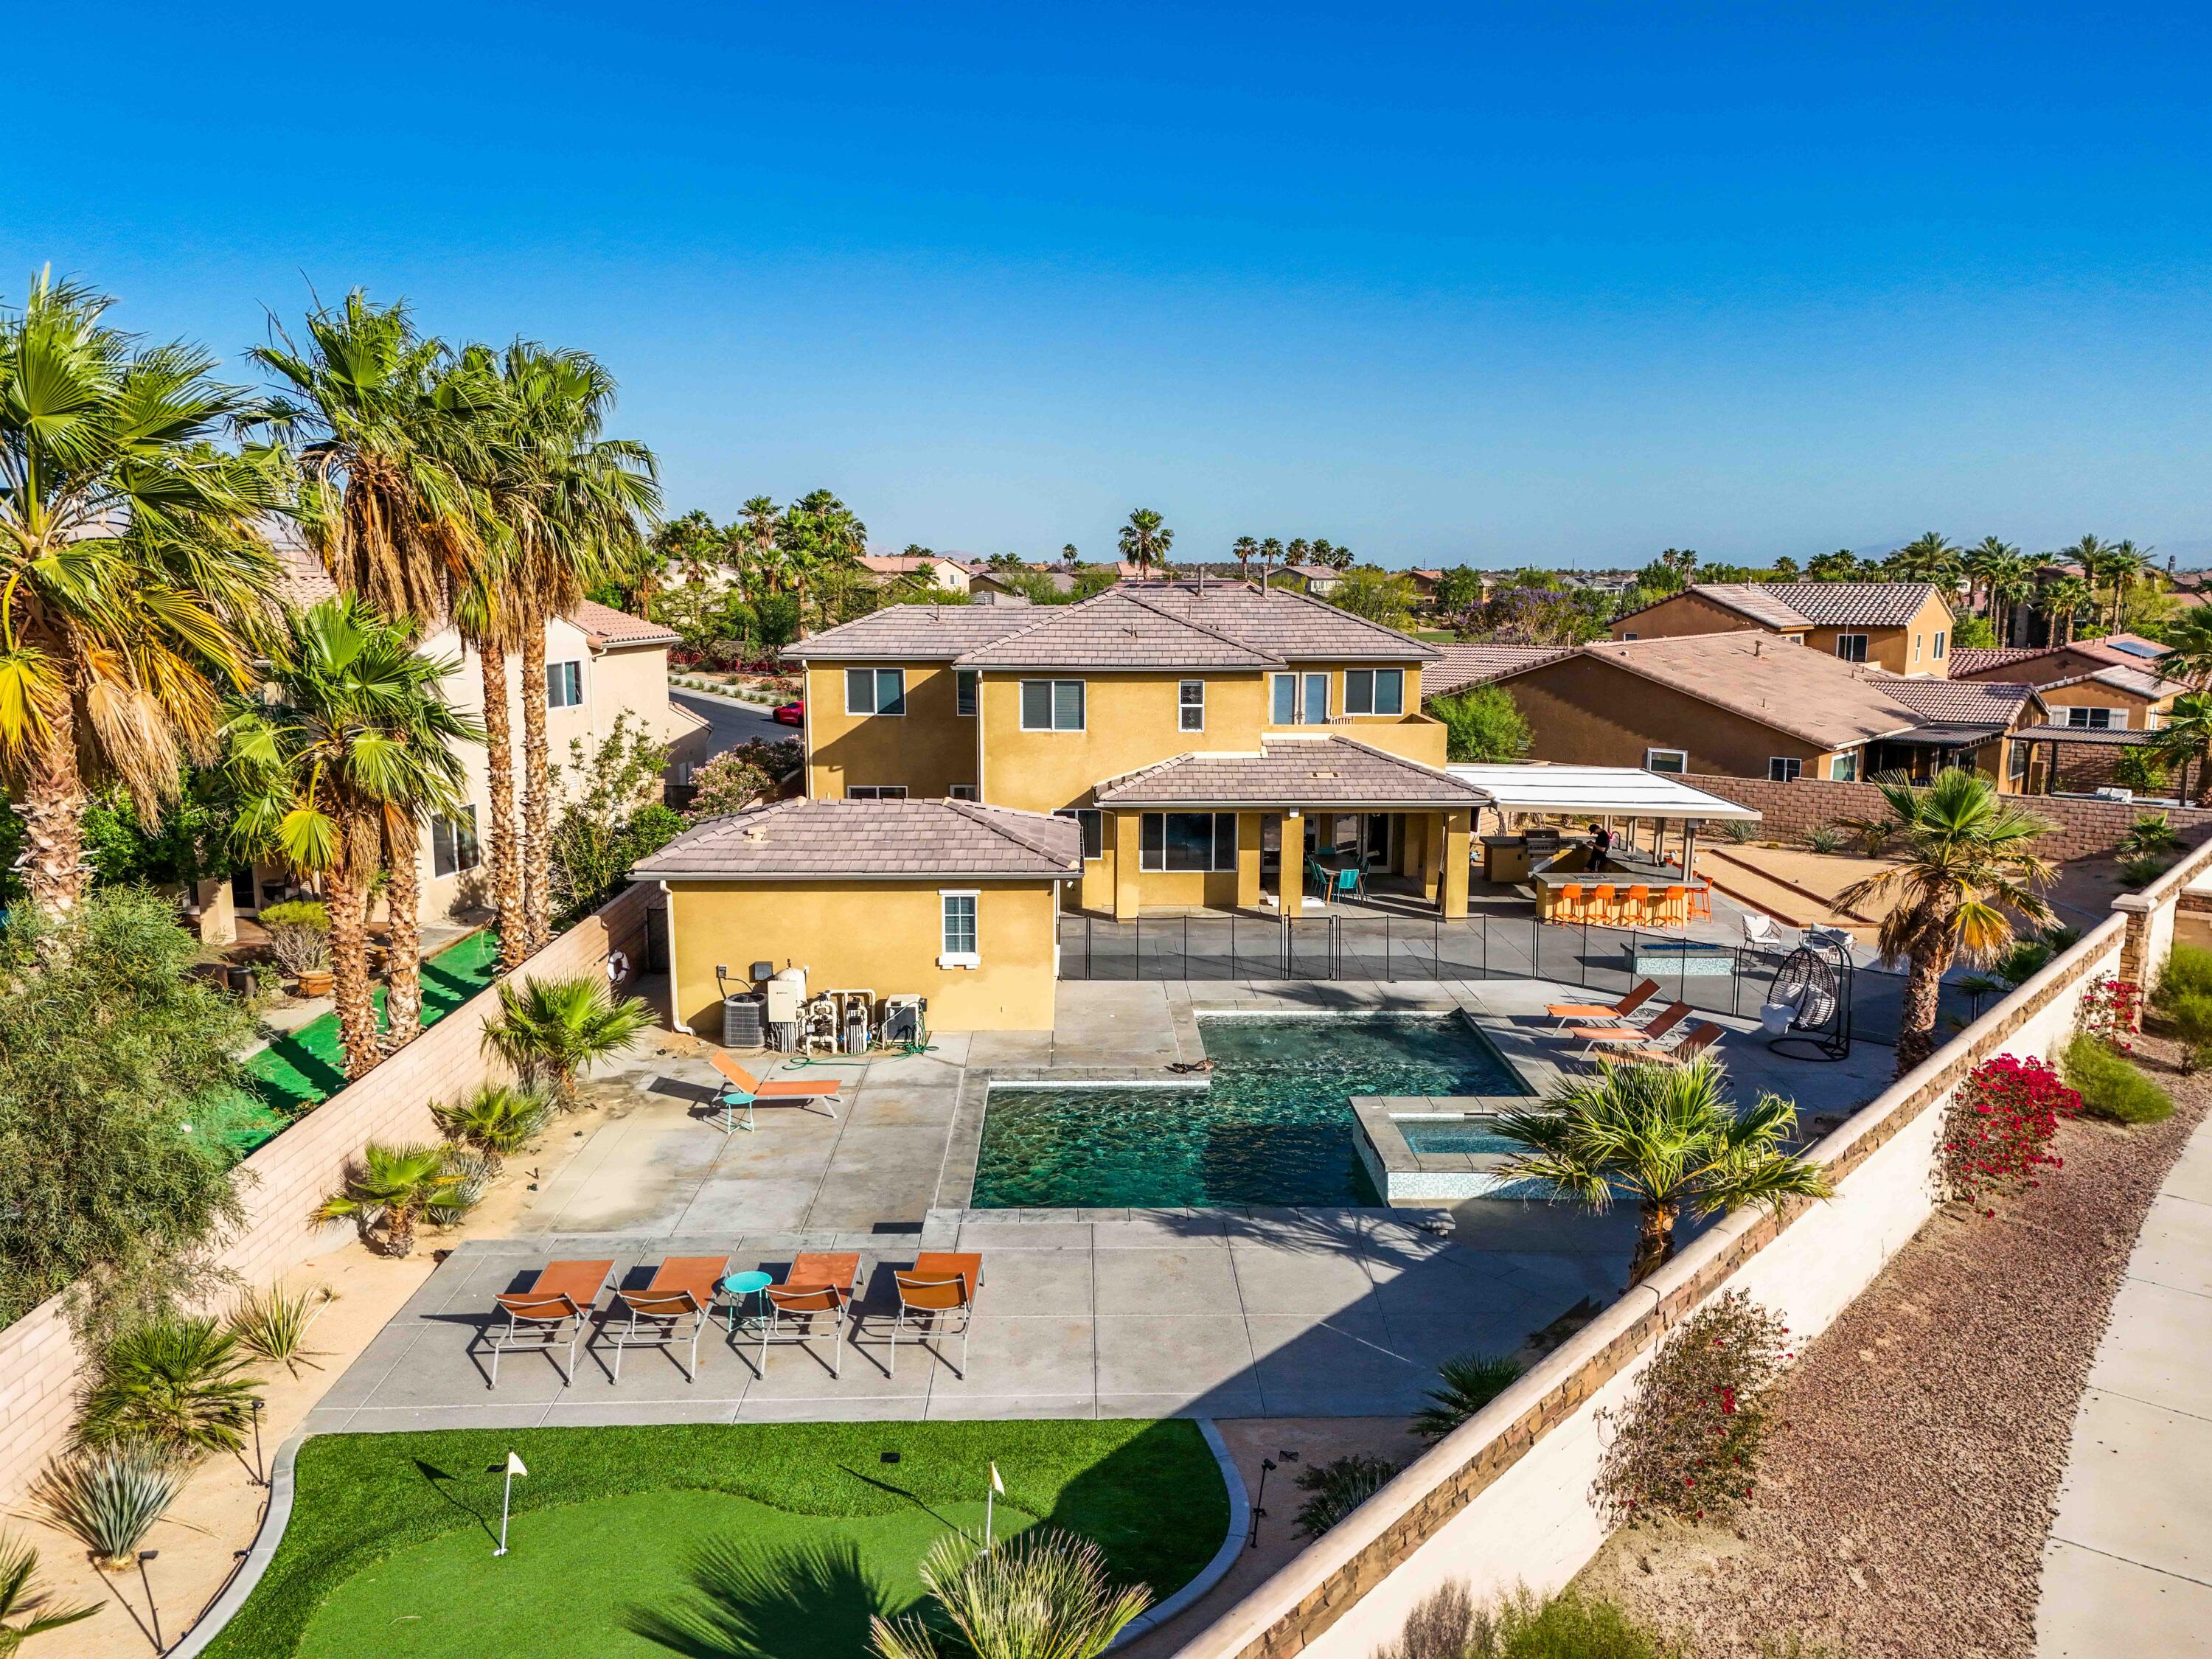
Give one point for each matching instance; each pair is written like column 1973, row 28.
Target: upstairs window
column 454, row 843
column 564, row 684
column 960, row 792
column 1093, row 823
column 2098, row 720
column 1784, row 769
column 1374, row 691
column 875, row 792
column 1190, row 701
column 1851, row 648
column 1666, row 760
column 963, row 691
column 1052, row 705
column 1282, row 704
column 875, row 690
column 1314, row 701
column 1941, row 640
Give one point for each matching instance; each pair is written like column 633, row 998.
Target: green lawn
column 302, row 1069
column 729, row 1540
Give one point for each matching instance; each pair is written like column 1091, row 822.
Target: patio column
column 1290, row 868
column 1248, row 881
column 1432, row 839
column 1455, row 839
column 1128, row 841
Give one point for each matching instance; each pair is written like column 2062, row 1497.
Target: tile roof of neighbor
column 2137, row 681
column 608, row 626
column 2135, row 658
column 1969, row 659
column 1994, row 703
column 1476, row 665
column 1782, row 685
column 871, row 839
column 1816, row 605
column 1291, row 771
column 1754, row 601
column 912, row 633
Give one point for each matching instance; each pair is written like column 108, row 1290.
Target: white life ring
column 618, row 967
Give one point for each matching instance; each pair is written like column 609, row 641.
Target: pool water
column 1276, row 1127
column 1453, row 1136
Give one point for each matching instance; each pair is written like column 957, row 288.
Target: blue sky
column 1481, row 283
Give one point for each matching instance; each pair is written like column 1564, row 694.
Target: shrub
column 273, row 1324
column 393, row 1187
column 1999, row 1126
column 1042, row 1592
column 728, row 783
column 2112, row 1086
column 549, row 1030
column 1469, row 1383
column 1688, row 1441
column 2141, row 870
column 299, row 936
column 1483, row 724
column 1449, row 1624
column 2188, row 969
column 108, row 1501
column 1339, row 1487
column 496, row 1120
column 2111, row 1009
column 2138, row 769
column 172, row 1385
column 1742, row 831
column 2150, row 834
column 1827, row 838
column 25, row 1608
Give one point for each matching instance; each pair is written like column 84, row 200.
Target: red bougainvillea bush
column 1998, row 1128
column 2111, row 1008
column 1688, row 1441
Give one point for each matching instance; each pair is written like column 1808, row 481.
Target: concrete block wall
column 278, row 1186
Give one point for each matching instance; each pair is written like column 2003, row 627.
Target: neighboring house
column 1306, row 718
column 1462, row 666
column 922, row 570
column 2104, row 684
column 1751, row 704
column 948, row 900
column 599, row 663
column 1318, row 580
column 1902, row 627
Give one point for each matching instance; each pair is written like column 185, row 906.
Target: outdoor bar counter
column 1621, row 868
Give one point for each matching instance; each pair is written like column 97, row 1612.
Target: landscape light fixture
column 260, row 1479
column 152, row 1611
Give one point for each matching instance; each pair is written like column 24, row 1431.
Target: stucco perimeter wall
column 281, row 1183
column 2079, row 828
column 1505, row 1499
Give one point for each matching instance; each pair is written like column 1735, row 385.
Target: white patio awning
column 1599, row 791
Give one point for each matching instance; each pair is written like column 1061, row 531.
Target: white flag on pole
column 515, row 1464
column 997, row 1485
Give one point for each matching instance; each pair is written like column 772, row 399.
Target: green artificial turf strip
column 1149, row 1494
column 302, row 1069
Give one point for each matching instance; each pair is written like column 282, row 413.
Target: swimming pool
column 1431, row 1137
column 1275, row 1127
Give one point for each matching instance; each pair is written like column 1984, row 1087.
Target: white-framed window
column 875, row 690
column 1052, row 705
column 964, row 683
column 1629, row 636
column 1783, row 769
column 2018, row 766
column 564, row 684
column 1283, row 700
column 1188, row 841
column 454, row 843
column 1313, row 700
column 2098, row 720
column 1374, row 691
column 1190, row 705
column 875, row 792
column 1942, row 639
column 1666, row 760
column 960, row 792
column 1093, row 823
column 1851, row 648
column 1915, row 647
column 1845, row 769
column 958, row 910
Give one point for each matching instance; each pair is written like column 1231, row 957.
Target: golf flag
column 997, row 1485
column 515, row 1464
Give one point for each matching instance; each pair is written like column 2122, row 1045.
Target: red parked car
column 790, row 714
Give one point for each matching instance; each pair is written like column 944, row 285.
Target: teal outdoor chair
column 1351, row 881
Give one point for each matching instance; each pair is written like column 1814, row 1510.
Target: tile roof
column 1754, row 600
column 870, row 839
column 1961, row 702
column 1853, row 604
column 1477, row 664
column 608, row 626
column 912, row 633
column 303, row 581
column 1291, row 771
column 1781, row 685
column 1120, row 629
column 1291, row 625
column 1969, row 659
column 2137, row 681
column 2063, row 662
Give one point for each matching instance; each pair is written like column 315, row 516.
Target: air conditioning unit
column 744, row 1024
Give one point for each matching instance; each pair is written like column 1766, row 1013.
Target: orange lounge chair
column 819, row 1286
column 1702, row 1036
column 553, row 1309
column 1568, row 1013
column 741, row 1088
column 1592, row 1036
column 683, row 1287
column 938, row 1294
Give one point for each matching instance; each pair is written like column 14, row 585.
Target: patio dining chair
column 937, row 1294
column 1351, row 881
column 682, row 1288
column 553, row 1312
column 741, row 1088
column 1675, row 907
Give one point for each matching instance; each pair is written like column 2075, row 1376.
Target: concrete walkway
column 2129, row 1566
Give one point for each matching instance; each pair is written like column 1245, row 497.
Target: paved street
column 730, row 722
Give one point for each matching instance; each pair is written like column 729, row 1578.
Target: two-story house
column 1902, row 627
column 1212, row 741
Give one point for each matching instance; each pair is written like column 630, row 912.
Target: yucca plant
column 108, row 1501
column 1467, row 1384
column 496, row 1120
column 24, row 1603
column 273, row 1323
column 172, row 1385
column 549, row 1030
column 471, row 1176
column 393, row 1187
column 1339, row 1487
column 1043, row 1595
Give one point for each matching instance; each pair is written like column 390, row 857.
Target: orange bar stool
column 1701, row 901
column 1675, row 907
column 1638, row 906
column 1568, row 907
column 1605, row 903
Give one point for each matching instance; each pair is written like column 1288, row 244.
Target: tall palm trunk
column 402, row 903
column 1923, row 984
column 53, row 810
column 537, row 789
column 348, row 903
column 501, row 851
column 1654, row 1240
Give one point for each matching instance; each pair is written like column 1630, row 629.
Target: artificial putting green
column 729, row 1540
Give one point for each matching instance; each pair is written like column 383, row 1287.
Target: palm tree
column 549, row 1030
column 1067, row 554
column 817, row 536
column 1926, row 558
column 2064, row 598
column 2124, row 565
column 1044, row 1594
column 2185, row 736
column 2190, row 635
column 1984, row 562
column 1666, row 1138
column 352, row 740
column 1330, row 556
column 1299, row 551
column 756, row 560
column 395, row 1186
column 174, row 1384
column 133, row 580
column 1271, row 552
column 2012, row 584
column 495, row 1119
column 1145, row 540
column 1964, row 862
column 24, row 1603
column 1244, row 549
